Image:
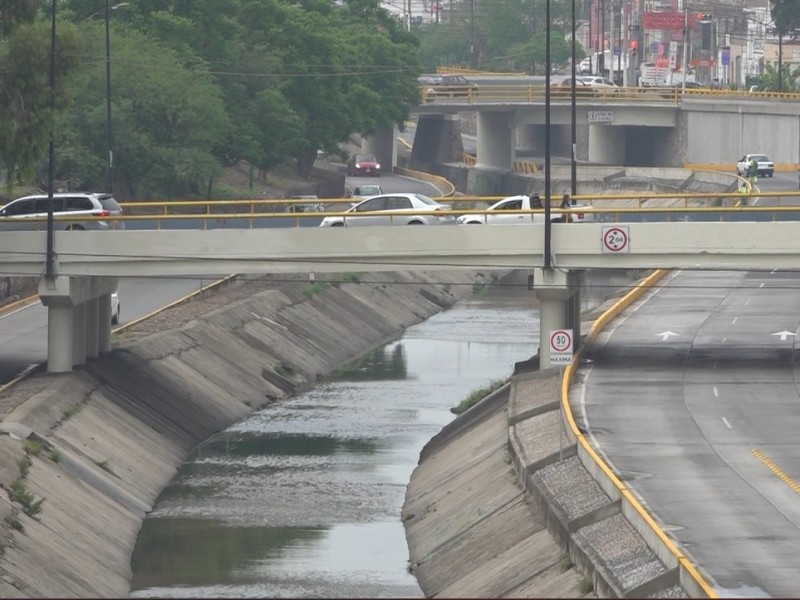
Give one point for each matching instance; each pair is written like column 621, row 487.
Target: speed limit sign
column 560, row 346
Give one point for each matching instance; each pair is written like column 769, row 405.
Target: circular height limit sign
column 615, row 239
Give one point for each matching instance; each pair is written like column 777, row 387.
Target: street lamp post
column 109, row 131
column 109, row 134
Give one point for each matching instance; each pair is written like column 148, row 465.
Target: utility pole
column 573, row 120
column 685, row 44
column 471, row 33
column 109, row 134
column 602, row 55
column 548, row 261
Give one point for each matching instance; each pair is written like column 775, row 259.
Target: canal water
column 303, row 498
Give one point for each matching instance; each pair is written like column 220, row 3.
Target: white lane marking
column 724, row 340
column 665, row 335
column 761, row 285
column 784, row 334
column 716, row 392
column 746, row 302
column 734, row 320
column 11, row 313
column 724, row 420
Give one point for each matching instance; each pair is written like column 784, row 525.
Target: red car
column 364, row 164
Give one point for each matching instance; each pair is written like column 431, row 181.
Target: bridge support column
column 104, row 324
column 607, row 145
column 558, row 293
column 437, row 140
column 79, row 334
column 382, row 145
column 67, row 329
column 495, row 141
column 92, row 325
column 59, row 339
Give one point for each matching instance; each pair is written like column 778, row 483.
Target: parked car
column 585, row 66
column 449, row 86
column 363, row 164
column 416, row 209
column 367, row 190
column 18, row 214
column 115, row 308
column 765, row 166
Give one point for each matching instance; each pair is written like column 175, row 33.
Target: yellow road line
column 775, row 469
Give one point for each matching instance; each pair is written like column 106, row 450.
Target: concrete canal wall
column 98, row 445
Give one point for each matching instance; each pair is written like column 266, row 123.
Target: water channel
column 303, row 498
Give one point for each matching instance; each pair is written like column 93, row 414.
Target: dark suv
column 30, row 212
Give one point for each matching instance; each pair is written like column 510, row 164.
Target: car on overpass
column 85, row 209
column 766, row 168
column 449, row 86
column 393, row 209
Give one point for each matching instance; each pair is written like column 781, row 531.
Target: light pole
column 109, row 132
column 50, row 259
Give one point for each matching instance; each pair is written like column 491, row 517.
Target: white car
column 600, row 84
column 415, row 209
column 366, row 190
column 765, row 166
column 115, row 308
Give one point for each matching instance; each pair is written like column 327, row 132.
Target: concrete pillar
column 92, row 324
column 437, row 140
column 577, row 279
column 496, row 141
column 65, row 299
column 383, row 145
column 59, row 339
column 553, row 288
column 104, row 323
column 79, row 334
column 606, row 144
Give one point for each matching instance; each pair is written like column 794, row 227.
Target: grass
column 314, row 289
column 14, row 523
column 34, row 446
column 24, row 464
column 55, row 456
column 585, row 585
column 477, row 395
column 565, row 563
column 31, row 505
column 71, row 411
column 478, row 287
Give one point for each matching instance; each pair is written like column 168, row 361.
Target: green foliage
column 72, row 410
column 477, row 395
column 509, row 36
column 565, row 563
column 314, row 288
column 197, row 86
column 585, row 585
column 55, row 456
column 34, row 446
column 770, row 81
column 27, row 108
column 20, row 493
column 24, row 465
column 786, row 14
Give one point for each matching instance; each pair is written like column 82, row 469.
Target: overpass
column 89, row 262
column 635, row 126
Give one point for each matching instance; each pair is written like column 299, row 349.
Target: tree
column 26, row 108
column 786, row 14
column 166, row 119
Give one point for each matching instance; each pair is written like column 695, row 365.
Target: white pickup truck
column 505, row 212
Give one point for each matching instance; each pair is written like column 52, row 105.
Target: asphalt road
column 693, row 398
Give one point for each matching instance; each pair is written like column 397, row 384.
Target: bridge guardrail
column 671, row 206
column 489, row 92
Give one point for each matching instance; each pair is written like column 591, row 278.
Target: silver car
column 414, row 209
column 30, row 212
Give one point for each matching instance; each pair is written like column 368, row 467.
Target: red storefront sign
column 669, row 21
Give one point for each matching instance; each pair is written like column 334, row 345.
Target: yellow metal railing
column 611, row 207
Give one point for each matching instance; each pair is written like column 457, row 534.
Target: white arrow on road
column 665, row 335
column 784, row 334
